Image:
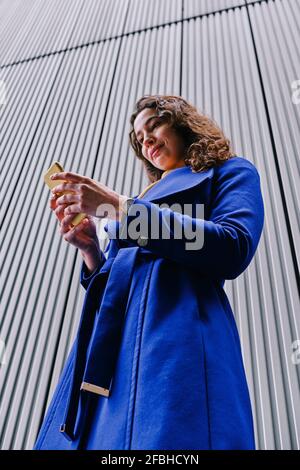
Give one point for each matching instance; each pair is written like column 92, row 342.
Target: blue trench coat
column 157, row 332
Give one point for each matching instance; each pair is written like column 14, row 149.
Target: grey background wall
column 72, row 71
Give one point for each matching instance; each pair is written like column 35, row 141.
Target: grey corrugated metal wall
column 72, row 72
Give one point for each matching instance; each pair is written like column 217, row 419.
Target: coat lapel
column 178, row 180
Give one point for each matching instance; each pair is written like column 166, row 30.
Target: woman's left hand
column 87, row 196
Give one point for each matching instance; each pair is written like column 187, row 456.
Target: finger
column 59, row 212
column 52, row 202
column 65, row 224
column 88, row 225
column 88, row 220
column 71, row 235
column 69, row 176
column 72, row 209
column 65, row 187
column 73, row 232
column 67, row 198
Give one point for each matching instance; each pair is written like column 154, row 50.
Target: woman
column 157, row 363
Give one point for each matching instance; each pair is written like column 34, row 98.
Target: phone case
column 56, row 167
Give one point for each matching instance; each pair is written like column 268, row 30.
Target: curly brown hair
column 205, row 143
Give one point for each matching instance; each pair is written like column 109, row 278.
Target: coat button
column 142, row 241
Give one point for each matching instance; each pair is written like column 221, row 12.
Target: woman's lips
column 157, row 151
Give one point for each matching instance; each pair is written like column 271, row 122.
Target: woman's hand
column 87, row 196
column 83, row 235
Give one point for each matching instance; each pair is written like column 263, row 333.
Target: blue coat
column 157, row 337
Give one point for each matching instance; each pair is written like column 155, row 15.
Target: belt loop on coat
column 94, row 373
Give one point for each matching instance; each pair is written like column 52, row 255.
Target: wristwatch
column 142, row 240
column 126, row 205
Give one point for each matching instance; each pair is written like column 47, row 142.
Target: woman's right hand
column 83, row 235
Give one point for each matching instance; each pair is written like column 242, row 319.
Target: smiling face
column 153, row 132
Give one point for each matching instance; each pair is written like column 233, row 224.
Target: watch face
column 129, row 202
column 126, row 205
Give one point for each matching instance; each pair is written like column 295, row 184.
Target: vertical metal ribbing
column 75, row 74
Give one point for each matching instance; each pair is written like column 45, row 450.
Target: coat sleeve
column 230, row 235
column 86, row 276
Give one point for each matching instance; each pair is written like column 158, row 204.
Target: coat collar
column 179, row 179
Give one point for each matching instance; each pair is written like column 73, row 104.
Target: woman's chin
column 159, row 164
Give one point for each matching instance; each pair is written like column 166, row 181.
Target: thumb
column 89, row 225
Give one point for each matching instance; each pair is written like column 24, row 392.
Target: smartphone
column 56, row 167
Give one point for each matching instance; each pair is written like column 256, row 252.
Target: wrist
column 92, row 257
column 93, row 249
column 122, row 206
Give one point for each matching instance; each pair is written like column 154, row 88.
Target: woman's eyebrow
column 149, row 119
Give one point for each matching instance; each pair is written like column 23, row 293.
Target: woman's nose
column 148, row 141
